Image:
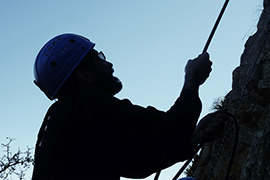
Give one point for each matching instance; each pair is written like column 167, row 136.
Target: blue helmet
column 57, row 60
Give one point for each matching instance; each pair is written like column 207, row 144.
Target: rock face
column 252, row 160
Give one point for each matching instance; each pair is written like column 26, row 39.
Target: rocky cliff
column 252, row 160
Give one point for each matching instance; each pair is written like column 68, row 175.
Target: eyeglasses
column 101, row 56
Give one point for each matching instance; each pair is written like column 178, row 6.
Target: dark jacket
column 93, row 135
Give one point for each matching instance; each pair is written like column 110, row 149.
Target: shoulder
column 99, row 100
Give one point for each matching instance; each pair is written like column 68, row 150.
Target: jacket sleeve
column 132, row 139
column 147, row 134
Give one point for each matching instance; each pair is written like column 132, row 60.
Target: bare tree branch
column 14, row 164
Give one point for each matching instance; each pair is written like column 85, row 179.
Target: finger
column 210, row 63
column 206, row 58
column 187, row 65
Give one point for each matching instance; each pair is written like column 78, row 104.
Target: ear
column 85, row 75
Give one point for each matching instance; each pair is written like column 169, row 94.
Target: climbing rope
column 204, row 50
column 234, row 119
column 233, row 116
column 215, row 26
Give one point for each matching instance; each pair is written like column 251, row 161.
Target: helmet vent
column 72, row 40
column 53, row 64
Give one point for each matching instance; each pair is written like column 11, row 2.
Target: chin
column 118, row 86
column 112, row 85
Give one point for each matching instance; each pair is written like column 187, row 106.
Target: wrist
column 191, row 86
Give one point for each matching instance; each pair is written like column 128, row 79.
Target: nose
column 109, row 64
column 109, row 67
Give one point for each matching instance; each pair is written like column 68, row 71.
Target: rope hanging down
column 234, row 119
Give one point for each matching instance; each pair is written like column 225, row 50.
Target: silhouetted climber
column 90, row 134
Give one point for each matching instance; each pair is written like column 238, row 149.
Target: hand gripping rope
column 233, row 116
column 234, row 119
column 204, row 50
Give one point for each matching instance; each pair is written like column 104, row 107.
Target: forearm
column 189, row 85
column 187, row 107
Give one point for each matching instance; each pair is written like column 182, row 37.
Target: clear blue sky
column 148, row 42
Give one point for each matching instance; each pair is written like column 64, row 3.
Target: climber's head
column 68, row 63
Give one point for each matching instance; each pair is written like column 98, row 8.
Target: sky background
column 148, row 41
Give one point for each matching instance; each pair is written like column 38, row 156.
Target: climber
column 89, row 134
